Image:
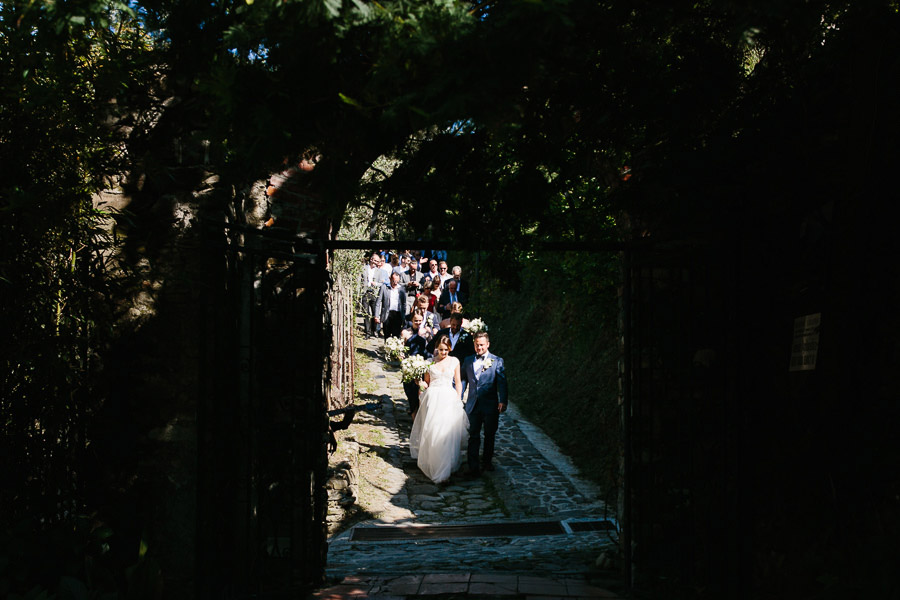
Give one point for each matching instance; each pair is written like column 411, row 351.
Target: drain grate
column 432, row 532
column 579, row 526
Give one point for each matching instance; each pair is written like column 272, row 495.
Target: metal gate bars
column 262, row 420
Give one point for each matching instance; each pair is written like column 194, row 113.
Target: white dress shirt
column 373, row 274
column 396, row 294
column 478, row 366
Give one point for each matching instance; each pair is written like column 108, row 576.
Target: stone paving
column 533, row 481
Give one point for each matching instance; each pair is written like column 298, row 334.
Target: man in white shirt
column 445, row 275
column 371, row 286
column 403, row 267
column 386, row 270
column 433, row 272
column 391, row 306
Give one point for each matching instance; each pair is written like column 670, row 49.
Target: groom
column 484, row 375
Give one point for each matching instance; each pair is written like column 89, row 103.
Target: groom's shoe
column 488, row 467
column 473, row 473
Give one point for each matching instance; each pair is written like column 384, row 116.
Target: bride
column 441, row 424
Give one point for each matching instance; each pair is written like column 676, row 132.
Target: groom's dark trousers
column 491, row 422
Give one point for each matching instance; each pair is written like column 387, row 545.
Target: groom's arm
column 500, row 378
column 465, row 381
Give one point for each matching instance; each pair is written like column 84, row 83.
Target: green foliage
column 558, row 338
column 62, row 74
column 75, row 561
column 348, row 263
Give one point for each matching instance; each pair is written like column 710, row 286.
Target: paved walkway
column 533, row 484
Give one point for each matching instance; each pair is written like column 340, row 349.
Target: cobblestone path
column 533, row 483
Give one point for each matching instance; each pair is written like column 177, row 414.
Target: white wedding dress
column 441, row 426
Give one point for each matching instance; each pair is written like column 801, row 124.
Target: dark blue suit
column 415, row 345
column 486, row 393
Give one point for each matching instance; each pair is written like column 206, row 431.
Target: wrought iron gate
column 262, row 424
column 681, row 502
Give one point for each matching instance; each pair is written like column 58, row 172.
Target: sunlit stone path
column 531, row 528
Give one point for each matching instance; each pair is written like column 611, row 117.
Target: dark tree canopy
column 512, row 123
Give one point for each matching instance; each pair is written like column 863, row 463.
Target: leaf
column 348, row 100
column 333, row 7
column 362, row 7
column 77, row 19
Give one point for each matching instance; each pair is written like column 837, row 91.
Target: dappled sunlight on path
column 530, row 528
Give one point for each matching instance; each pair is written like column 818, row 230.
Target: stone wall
column 343, row 482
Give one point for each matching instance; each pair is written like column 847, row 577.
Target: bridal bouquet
column 413, row 368
column 476, row 325
column 394, row 348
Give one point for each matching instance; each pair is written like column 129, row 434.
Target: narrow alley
column 533, row 528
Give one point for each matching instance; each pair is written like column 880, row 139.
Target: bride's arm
column 457, row 380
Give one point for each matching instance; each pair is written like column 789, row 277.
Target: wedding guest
column 371, row 284
column 461, row 342
column 434, row 295
column 456, row 307
column 402, row 264
column 461, row 287
column 412, row 280
column 390, row 307
column 430, row 321
column 433, row 272
column 442, row 269
column 448, row 297
column 425, row 292
column 422, row 259
column 386, row 271
column 416, row 345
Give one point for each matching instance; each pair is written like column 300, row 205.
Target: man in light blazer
column 390, row 307
column 484, row 376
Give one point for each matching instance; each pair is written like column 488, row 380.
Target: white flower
column 394, row 348
column 476, row 325
column 487, row 364
column 413, row 368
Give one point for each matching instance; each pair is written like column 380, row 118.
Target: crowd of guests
column 416, row 297
column 399, row 285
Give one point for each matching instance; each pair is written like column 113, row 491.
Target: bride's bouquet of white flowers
column 394, row 348
column 476, row 325
column 413, row 368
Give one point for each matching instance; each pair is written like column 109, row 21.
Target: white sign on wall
column 805, row 346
